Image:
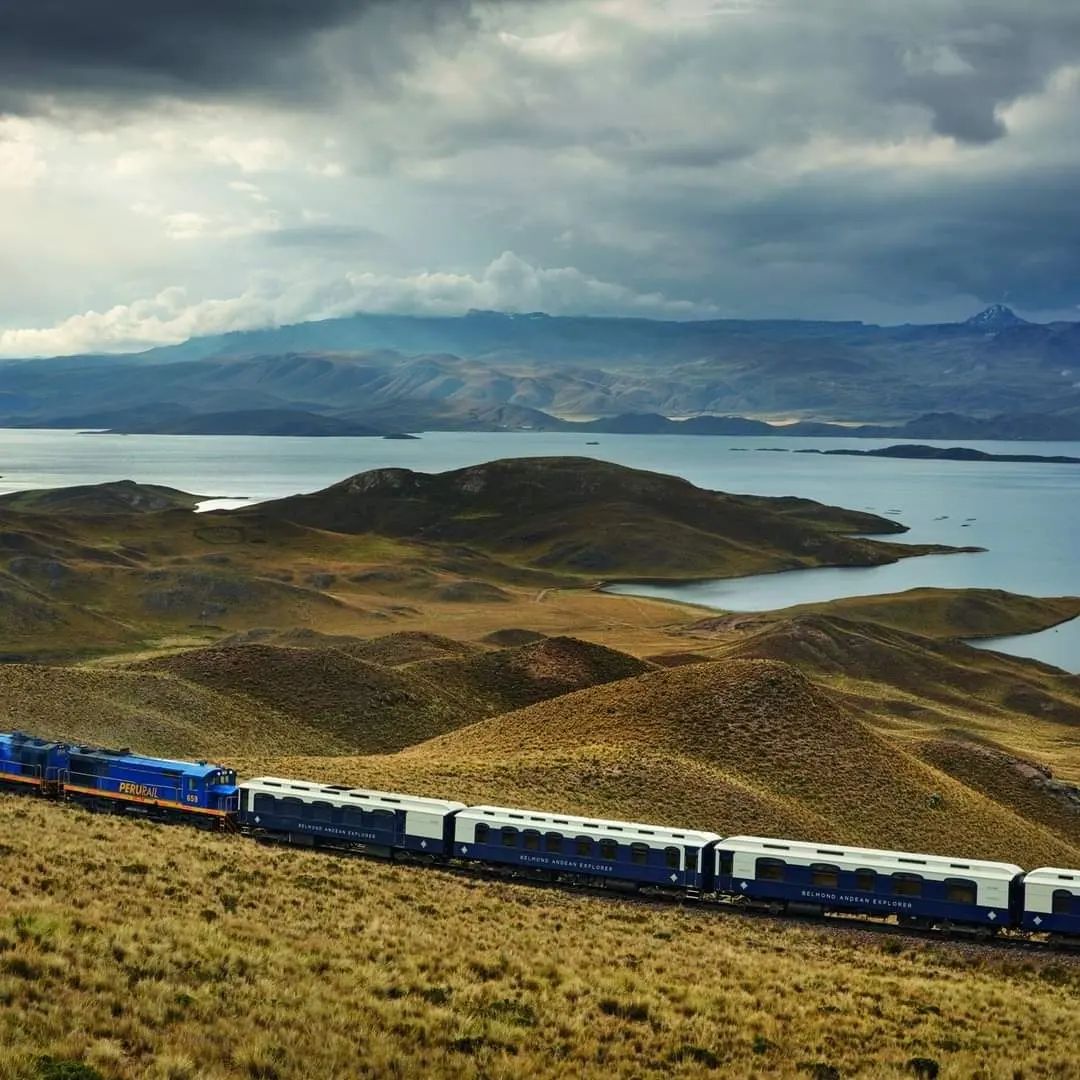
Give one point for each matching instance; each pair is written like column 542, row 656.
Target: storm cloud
column 126, row 51
column 883, row 161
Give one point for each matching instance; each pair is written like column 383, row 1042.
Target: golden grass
column 142, row 952
column 505, row 679
column 354, row 706
column 949, row 613
column 922, row 687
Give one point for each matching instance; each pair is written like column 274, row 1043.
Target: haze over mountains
column 994, row 375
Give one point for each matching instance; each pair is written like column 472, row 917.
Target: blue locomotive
column 31, row 764
column 123, row 782
column 118, row 781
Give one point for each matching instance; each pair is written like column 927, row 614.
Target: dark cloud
column 872, row 159
column 966, row 67
column 100, row 51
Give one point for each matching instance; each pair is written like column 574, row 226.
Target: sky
column 185, row 167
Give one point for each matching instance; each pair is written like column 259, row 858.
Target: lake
column 1026, row 514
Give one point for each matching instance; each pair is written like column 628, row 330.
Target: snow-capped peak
column 996, row 317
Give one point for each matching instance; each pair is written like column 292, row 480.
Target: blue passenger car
column 119, row 781
column 375, row 822
column 925, row 890
column 29, row 764
column 1052, row 901
column 590, row 849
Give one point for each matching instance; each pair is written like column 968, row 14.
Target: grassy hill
column 949, row 613
column 505, row 679
column 389, row 650
column 350, row 705
column 353, row 706
column 918, row 684
column 587, row 517
column 114, row 497
column 151, row 712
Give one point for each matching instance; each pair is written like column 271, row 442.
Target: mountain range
column 491, row 370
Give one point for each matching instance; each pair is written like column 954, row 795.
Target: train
column 977, row 897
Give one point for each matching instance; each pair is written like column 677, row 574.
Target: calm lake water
column 1026, row 515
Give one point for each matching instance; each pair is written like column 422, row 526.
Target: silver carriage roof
column 540, row 817
column 1054, row 875
column 804, row 849
column 282, row 786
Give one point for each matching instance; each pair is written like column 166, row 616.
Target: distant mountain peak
column 996, row 317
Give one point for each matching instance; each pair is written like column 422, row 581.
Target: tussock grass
column 141, row 952
column 351, row 705
column 512, row 678
column 925, row 686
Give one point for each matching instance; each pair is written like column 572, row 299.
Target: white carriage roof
column 1054, row 875
column 803, row 849
column 301, row 789
column 524, row 819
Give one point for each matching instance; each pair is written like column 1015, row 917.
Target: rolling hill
column 918, row 685
column 949, row 613
column 511, row 678
column 350, row 705
column 588, row 517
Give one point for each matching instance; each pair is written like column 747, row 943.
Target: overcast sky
column 174, row 167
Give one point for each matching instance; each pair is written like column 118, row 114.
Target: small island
column 920, row 452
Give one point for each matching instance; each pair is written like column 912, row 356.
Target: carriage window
column 583, row 846
column 354, row 816
column 265, row 804
column 865, row 880
column 770, row 869
column 959, row 891
column 726, row 863
column 481, row 834
column 672, row 858
column 639, row 854
column 907, row 885
column 828, row 877
column 608, row 849
column 530, row 840
column 553, row 842
column 322, row 811
column 383, row 819
column 292, row 806
column 1063, row 901
column 509, row 837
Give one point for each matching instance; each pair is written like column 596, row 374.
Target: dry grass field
column 130, row 950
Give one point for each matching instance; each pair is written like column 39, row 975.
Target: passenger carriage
column 1052, row 901
column 594, row 849
column 921, row 890
column 377, row 822
column 119, row 781
column 31, row 764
